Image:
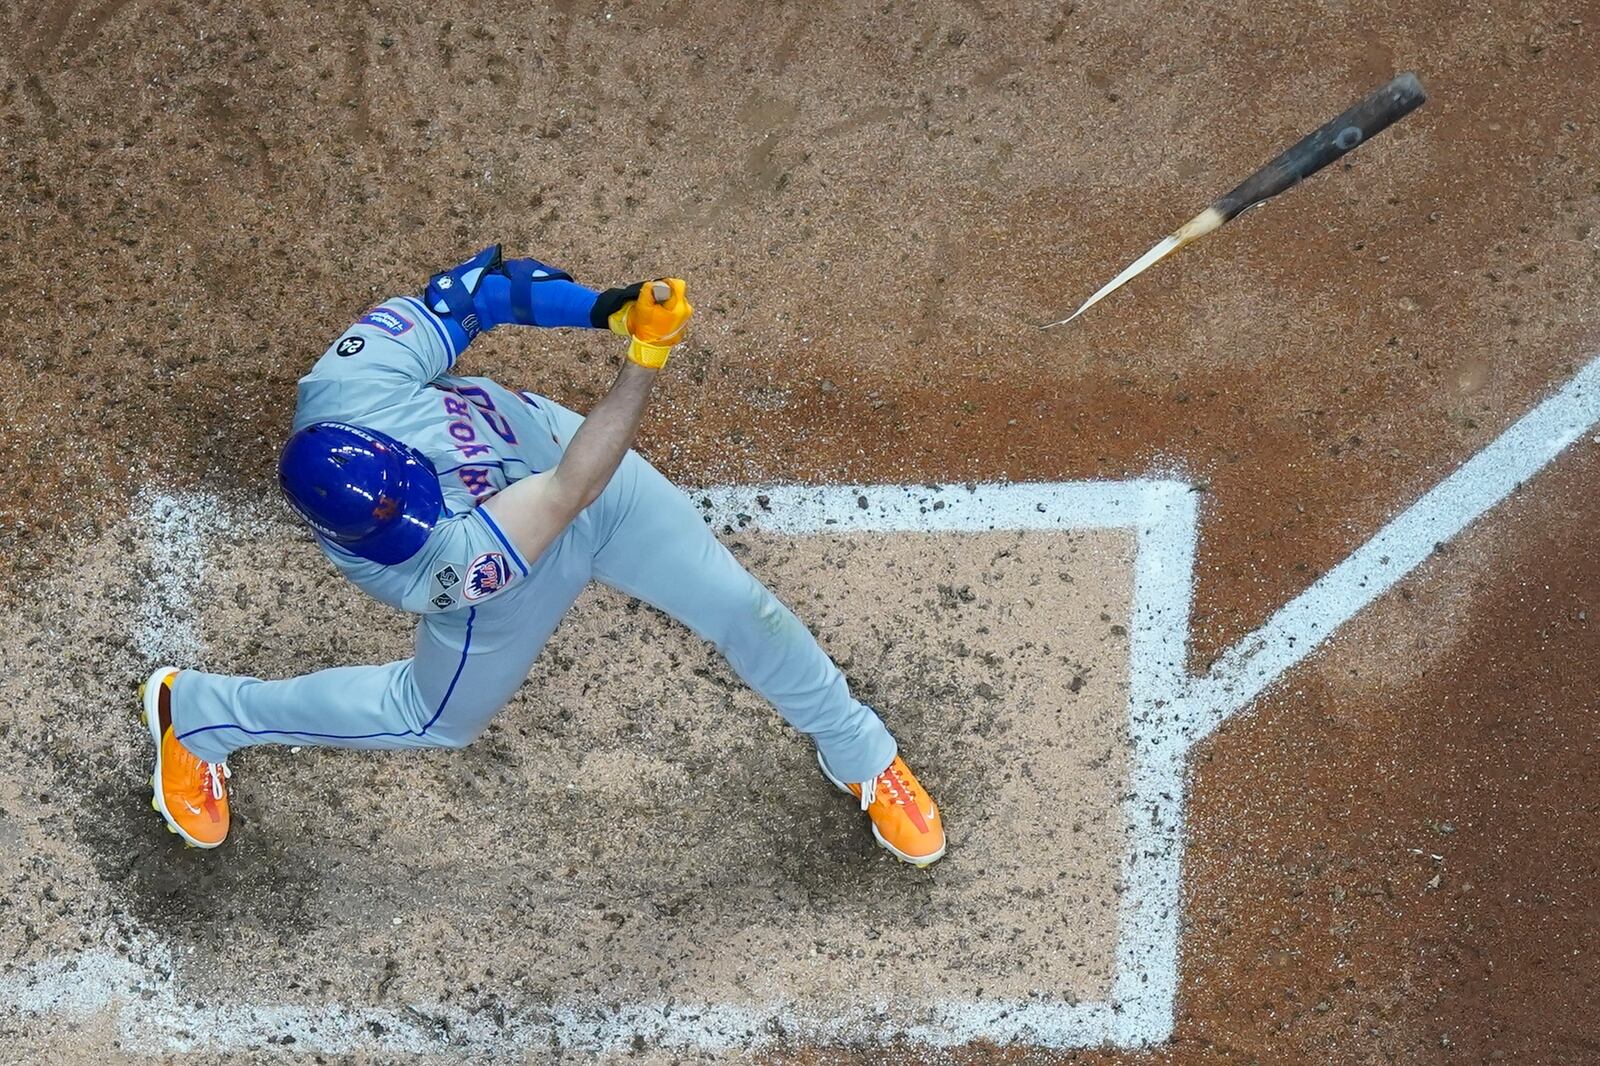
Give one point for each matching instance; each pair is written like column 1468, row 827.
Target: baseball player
column 486, row 511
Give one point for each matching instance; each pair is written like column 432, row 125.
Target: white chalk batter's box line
column 1169, row 712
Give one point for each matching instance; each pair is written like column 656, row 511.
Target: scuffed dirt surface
column 874, row 204
column 639, row 826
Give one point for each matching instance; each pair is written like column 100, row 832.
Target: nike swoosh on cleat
column 192, row 808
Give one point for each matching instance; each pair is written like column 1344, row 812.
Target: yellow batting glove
column 653, row 315
column 655, row 323
column 653, row 356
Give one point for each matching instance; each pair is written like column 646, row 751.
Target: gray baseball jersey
column 486, row 611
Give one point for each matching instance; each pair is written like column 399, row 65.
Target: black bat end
column 1404, row 93
column 1379, row 110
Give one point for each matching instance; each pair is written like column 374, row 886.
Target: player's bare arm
column 534, row 511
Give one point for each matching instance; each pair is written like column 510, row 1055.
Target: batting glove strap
column 651, row 356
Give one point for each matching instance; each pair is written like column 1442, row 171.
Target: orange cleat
column 190, row 793
column 904, row 817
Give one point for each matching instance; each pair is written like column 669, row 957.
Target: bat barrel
column 1380, row 109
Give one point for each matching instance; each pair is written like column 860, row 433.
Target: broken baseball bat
column 1382, row 108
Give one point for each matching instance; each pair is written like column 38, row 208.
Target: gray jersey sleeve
column 396, row 344
column 466, row 561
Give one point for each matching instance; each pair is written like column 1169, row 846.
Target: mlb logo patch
column 391, row 322
column 487, row 575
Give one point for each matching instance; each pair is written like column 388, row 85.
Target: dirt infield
column 1391, row 859
column 594, row 818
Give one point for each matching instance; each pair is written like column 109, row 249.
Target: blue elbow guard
column 487, row 291
column 450, row 295
column 537, row 295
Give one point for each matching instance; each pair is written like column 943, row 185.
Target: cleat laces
column 207, row 780
column 898, row 792
column 216, row 773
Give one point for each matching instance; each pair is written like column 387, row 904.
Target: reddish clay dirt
column 874, row 204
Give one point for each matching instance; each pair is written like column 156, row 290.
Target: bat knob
column 661, row 291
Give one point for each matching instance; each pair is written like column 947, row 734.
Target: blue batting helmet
column 365, row 491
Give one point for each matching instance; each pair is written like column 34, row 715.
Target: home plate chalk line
column 1169, row 712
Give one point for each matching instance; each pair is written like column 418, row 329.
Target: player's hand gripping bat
column 1382, row 108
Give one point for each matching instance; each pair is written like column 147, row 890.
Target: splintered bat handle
column 1382, row 108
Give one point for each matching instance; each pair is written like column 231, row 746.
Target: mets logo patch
column 391, row 322
column 487, row 575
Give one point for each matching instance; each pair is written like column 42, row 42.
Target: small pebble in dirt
column 764, row 502
column 861, row 502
